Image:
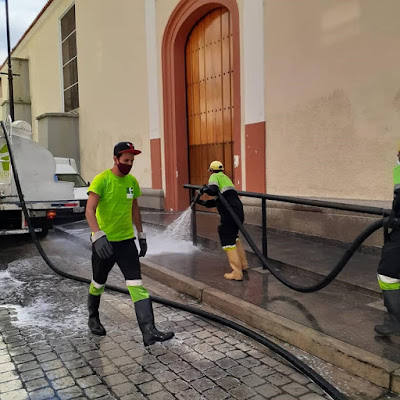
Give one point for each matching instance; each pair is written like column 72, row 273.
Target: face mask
column 124, row 168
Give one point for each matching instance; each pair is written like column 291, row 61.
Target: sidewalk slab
column 371, row 367
column 315, row 255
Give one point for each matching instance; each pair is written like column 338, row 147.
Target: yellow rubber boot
column 234, row 261
column 242, row 255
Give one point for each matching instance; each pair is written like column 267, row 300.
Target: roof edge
column 46, row 6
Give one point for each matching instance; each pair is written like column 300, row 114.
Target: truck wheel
column 42, row 235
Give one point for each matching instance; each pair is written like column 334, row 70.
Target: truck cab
column 67, row 171
column 43, row 196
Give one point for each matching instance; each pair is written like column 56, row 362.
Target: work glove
column 201, row 202
column 203, row 189
column 393, row 223
column 142, row 244
column 101, row 245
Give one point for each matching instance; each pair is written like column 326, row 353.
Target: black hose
column 194, row 200
column 330, row 277
column 302, row 367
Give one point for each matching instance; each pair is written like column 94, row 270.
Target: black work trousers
column 125, row 255
column 228, row 230
column 389, row 264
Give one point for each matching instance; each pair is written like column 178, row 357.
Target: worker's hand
column 203, row 189
column 142, row 244
column 393, row 223
column 201, row 202
column 101, row 245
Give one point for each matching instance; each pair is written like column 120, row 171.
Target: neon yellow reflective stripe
column 138, row 293
column 396, row 175
column 389, row 286
column 94, row 291
column 223, row 181
column 229, row 247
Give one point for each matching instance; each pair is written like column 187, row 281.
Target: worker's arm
column 90, row 213
column 207, row 203
column 211, row 189
column 99, row 239
column 137, row 220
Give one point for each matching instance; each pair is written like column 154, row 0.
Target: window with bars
column 69, row 60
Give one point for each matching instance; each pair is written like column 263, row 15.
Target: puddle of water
column 11, row 288
column 40, row 298
column 8, row 282
column 45, row 313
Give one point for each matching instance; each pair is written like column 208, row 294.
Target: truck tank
column 36, row 169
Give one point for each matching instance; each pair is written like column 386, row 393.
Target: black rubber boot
column 94, row 323
column 145, row 318
column 392, row 302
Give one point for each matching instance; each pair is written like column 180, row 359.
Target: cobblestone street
column 47, row 351
column 203, row 361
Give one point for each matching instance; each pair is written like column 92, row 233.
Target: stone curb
column 364, row 364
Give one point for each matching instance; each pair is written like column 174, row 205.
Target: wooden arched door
column 209, row 87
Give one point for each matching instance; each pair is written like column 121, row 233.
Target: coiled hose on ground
column 318, row 379
column 335, row 271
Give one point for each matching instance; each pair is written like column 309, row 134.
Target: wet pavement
column 348, row 306
column 46, row 351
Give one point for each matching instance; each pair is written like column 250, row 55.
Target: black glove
column 393, row 223
column 142, row 244
column 101, row 245
column 203, row 189
column 201, row 202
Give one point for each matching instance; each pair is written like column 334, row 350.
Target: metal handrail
column 309, row 202
column 293, row 200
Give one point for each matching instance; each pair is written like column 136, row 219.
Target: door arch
column 182, row 20
column 209, row 95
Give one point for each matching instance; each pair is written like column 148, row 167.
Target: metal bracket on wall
column 6, row 73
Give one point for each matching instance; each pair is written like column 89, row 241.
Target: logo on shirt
column 129, row 193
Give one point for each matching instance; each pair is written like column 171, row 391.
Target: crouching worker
column 112, row 206
column 389, row 266
column 228, row 230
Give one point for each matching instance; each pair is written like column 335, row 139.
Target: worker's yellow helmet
column 398, row 147
column 216, row 166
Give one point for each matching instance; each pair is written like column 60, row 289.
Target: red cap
column 125, row 147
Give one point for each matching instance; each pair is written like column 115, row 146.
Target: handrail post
column 194, row 225
column 264, row 228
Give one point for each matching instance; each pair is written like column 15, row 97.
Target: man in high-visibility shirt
column 389, row 266
column 111, row 208
column 228, row 230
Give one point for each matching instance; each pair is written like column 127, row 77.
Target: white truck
column 67, row 171
column 36, row 167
